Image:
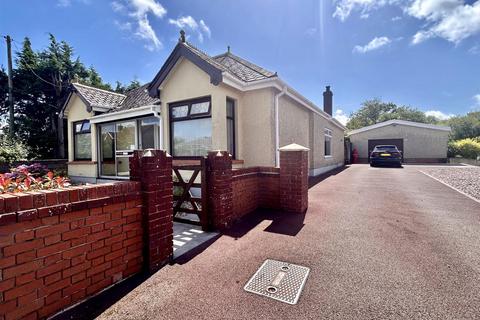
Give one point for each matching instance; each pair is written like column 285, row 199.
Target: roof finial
column 228, row 49
column 182, row 36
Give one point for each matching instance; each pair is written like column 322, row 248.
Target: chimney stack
column 328, row 101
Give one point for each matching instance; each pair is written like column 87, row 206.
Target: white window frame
column 327, row 133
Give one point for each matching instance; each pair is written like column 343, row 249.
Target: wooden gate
column 190, row 191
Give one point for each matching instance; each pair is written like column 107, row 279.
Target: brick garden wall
column 253, row 188
column 59, row 247
column 234, row 193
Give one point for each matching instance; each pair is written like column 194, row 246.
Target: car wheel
column 372, row 164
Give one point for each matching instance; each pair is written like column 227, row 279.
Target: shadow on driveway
column 282, row 223
column 313, row 181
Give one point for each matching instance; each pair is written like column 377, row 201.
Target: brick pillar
column 153, row 168
column 220, row 192
column 294, row 178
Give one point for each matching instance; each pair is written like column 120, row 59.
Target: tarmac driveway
column 381, row 244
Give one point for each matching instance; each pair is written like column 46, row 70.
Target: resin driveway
column 381, row 244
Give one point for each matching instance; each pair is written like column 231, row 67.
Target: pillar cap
column 293, row 147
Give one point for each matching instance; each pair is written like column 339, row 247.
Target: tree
column 467, row 126
column 375, row 111
column 121, row 88
column 3, row 89
column 41, row 86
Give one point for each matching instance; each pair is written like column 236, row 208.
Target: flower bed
column 31, row 177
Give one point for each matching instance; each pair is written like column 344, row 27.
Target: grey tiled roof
column 226, row 62
column 136, row 98
column 115, row 101
column 239, row 67
column 242, row 68
column 98, row 97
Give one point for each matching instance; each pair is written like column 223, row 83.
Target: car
column 386, row 155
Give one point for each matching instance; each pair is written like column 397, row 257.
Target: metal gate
column 190, row 191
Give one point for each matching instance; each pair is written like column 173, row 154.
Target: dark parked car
column 386, row 155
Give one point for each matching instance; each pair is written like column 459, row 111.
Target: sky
column 419, row 53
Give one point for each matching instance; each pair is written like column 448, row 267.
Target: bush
column 12, row 150
column 31, row 177
column 466, row 148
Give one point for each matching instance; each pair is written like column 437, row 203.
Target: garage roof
column 401, row 122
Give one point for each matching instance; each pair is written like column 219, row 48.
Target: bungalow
column 198, row 103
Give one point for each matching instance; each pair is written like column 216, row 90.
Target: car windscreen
column 386, row 148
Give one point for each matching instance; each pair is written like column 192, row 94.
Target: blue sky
column 421, row 53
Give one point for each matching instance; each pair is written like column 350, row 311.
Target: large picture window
column 328, row 142
column 231, row 127
column 191, row 127
column 82, row 140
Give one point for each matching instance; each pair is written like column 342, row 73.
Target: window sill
column 328, row 157
column 82, row 162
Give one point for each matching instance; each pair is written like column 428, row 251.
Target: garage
column 419, row 142
column 382, row 142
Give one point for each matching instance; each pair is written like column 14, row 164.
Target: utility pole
column 10, row 86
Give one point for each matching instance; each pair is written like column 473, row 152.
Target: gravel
column 465, row 179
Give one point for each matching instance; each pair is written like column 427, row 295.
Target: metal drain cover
column 278, row 280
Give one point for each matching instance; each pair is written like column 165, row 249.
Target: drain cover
column 278, row 280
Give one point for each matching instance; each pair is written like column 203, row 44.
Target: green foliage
column 375, row 111
column 466, row 148
column 12, row 150
column 41, row 86
column 121, row 88
column 467, row 126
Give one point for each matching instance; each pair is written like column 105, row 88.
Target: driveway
column 381, row 244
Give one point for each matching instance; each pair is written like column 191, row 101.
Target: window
column 149, row 131
column 107, row 150
column 231, row 127
column 191, row 127
column 117, row 141
column 82, row 140
column 328, row 142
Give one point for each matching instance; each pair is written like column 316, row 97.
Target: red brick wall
column 59, row 247
column 294, row 180
column 253, row 188
column 153, row 169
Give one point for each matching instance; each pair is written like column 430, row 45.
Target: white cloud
column 139, row 11
column 439, row 114
column 64, row 3
column 188, row 22
column 474, row 50
column 124, row 26
column 375, row 44
column 341, row 116
column 476, row 98
column 146, row 32
column 142, row 7
column 117, row 6
column 452, row 20
column 396, row 18
column 205, row 28
column 183, row 22
column 68, row 3
column 344, row 8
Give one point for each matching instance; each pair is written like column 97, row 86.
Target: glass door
column 118, row 140
column 126, row 142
